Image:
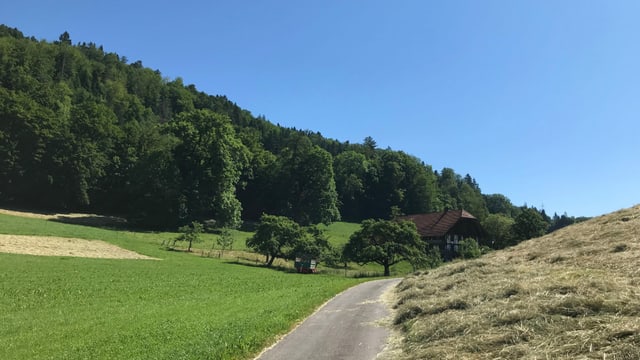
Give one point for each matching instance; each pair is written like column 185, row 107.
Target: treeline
column 83, row 129
column 508, row 225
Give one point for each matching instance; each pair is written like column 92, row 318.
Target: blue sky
column 537, row 100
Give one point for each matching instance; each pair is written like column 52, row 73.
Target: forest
column 84, row 129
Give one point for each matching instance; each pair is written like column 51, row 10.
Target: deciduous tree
column 306, row 184
column 190, row 234
column 274, row 237
column 225, row 241
column 499, row 229
column 385, row 242
column 529, row 224
column 211, row 159
column 350, row 169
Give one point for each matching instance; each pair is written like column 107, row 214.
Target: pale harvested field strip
column 74, row 218
column 34, row 215
column 59, row 246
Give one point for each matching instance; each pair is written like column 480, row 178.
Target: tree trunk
column 386, row 270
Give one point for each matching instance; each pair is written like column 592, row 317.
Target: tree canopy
column 281, row 237
column 275, row 237
column 529, row 224
column 499, row 229
column 385, row 242
column 82, row 129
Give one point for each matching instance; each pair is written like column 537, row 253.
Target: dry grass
column 40, row 215
column 65, row 246
column 59, row 246
column 573, row 294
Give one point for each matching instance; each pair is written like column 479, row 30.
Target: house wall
column 448, row 244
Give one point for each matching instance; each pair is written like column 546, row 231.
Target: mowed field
column 174, row 306
column 572, row 294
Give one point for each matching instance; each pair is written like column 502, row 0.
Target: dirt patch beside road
column 59, row 246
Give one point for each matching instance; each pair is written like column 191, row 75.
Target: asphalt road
column 345, row 328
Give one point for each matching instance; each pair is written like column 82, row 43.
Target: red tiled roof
column 436, row 224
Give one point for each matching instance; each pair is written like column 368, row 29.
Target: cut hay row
column 573, row 294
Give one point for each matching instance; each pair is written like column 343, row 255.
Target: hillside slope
column 572, row 294
column 84, row 130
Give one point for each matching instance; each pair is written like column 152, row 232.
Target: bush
column 469, row 249
column 225, row 241
column 433, row 259
column 189, row 233
column 333, row 257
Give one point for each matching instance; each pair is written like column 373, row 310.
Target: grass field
column 339, row 232
column 572, row 294
column 181, row 307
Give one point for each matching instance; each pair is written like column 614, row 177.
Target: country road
column 345, row 328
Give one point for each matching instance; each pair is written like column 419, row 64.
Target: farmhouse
column 446, row 229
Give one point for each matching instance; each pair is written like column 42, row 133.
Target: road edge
column 383, row 322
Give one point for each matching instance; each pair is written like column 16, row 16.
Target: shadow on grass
column 356, row 274
column 99, row 221
column 61, row 216
column 262, row 265
column 173, row 249
column 106, row 222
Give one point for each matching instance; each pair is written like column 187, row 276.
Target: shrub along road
column 346, row 327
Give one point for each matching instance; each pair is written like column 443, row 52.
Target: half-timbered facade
column 446, row 229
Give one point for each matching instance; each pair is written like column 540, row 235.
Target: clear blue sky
column 537, row 100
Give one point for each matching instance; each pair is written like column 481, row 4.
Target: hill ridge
column 84, row 130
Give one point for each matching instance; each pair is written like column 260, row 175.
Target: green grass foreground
column 182, row 307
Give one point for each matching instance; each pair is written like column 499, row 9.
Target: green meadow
column 182, row 306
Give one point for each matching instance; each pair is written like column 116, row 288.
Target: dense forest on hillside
column 82, row 129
